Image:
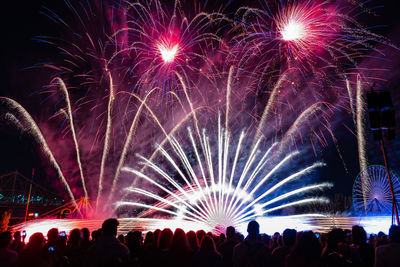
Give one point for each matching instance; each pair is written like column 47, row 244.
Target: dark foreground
column 166, row 248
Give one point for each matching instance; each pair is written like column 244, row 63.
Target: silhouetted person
column 207, row 256
column 121, row 239
column 149, row 250
column 96, row 234
column 108, row 251
column 362, row 254
column 74, row 251
column 226, row 248
column 276, row 240
column 288, row 240
column 179, row 253
column 193, row 242
column 388, row 255
column 306, row 252
column 157, row 233
column 252, row 251
column 221, row 239
column 200, row 234
column 54, row 248
column 33, row 254
column 86, row 243
column 8, row 257
column 133, row 242
column 17, row 244
column 163, row 244
column 53, row 239
column 382, row 239
column 333, row 254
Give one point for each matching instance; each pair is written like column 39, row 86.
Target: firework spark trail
column 291, row 204
column 259, row 167
column 228, row 98
column 246, row 168
column 72, row 125
column 137, row 204
column 10, row 117
column 200, row 211
column 353, row 112
column 192, row 109
column 287, row 195
column 160, row 199
column 262, row 181
column 177, row 197
column 362, row 155
column 34, row 129
column 184, row 160
column 305, row 115
column 268, row 107
column 276, row 186
column 201, row 169
column 167, row 137
column 241, row 215
column 131, row 134
column 107, row 138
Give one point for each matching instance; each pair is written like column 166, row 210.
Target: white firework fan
column 220, row 188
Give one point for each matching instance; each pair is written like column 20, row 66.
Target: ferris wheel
column 376, row 197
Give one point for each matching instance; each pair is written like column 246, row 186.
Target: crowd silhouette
column 338, row 247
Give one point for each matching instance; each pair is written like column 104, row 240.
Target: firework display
column 181, row 111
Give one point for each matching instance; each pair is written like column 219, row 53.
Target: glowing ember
column 167, row 51
column 293, row 30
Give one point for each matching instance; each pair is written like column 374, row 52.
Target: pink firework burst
column 162, row 41
column 168, row 52
column 313, row 36
column 306, row 28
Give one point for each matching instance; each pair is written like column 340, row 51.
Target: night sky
column 21, row 21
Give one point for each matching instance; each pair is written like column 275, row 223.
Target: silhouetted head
column 5, row 239
column 289, row 237
column 309, row 246
column 230, row 232
column 266, row 239
column 85, row 233
column 134, row 238
column 394, row 233
column 358, row 235
column 157, row 233
column 200, row 234
column 239, row 237
column 149, row 238
column 164, row 241
column 179, row 241
column 253, row 228
column 192, row 239
column 17, row 235
column 74, row 237
column 121, row 239
column 110, row 227
column 52, row 235
column 207, row 244
column 222, row 237
column 36, row 241
column 334, row 237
